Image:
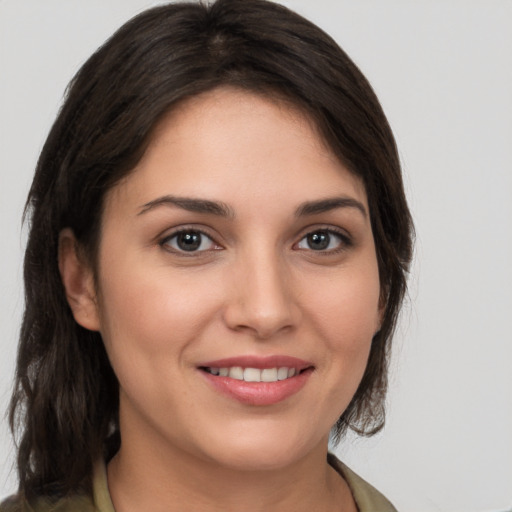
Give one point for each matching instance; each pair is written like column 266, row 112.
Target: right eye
column 190, row 241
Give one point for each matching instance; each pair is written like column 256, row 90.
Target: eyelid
column 343, row 235
column 163, row 241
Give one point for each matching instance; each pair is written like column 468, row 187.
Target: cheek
column 346, row 316
column 154, row 312
column 147, row 324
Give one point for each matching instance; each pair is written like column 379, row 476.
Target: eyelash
column 164, row 243
column 344, row 241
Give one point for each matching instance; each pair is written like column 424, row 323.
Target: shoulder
column 367, row 498
column 97, row 501
column 76, row 503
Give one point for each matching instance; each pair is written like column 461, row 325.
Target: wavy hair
column 64, row 408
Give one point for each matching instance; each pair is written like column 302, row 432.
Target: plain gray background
column 443, row 72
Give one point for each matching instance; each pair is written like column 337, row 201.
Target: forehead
column 223, row 106
column 231, row 144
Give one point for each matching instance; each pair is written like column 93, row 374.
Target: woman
column 217, row 255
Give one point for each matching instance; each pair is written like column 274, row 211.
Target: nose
column 262, row 299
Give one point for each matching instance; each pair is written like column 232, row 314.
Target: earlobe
column 77, row 278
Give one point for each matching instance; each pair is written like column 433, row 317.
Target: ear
column 78, row 280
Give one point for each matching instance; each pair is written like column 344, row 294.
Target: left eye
column 321, row 240
column 189, row 241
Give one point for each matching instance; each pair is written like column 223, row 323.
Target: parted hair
column 64, row 407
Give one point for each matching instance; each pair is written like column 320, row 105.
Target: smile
column 254, row 374
column 257, row 381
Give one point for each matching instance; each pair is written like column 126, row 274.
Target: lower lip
column 259, row 393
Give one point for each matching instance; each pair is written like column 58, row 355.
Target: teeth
column 236, row 372
column 269, row 375
column 282, row 373
column 254, row 374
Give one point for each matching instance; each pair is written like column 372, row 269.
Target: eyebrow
column 191, row 205
column 330, row 203
column 223, row 210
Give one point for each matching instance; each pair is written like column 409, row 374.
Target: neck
column 173, row 480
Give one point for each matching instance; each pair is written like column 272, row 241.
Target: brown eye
column 189, row 241
column 323, row 240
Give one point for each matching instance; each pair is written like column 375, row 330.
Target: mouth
column 257, row 380
column 254, row 374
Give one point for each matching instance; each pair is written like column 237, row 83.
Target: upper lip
column 260, row 362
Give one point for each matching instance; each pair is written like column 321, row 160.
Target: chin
column 265, row 449
column 256, row 459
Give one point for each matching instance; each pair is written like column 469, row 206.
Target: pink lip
column 258, row 393
column 259, row 362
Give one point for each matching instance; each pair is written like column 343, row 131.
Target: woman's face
column 239, row 248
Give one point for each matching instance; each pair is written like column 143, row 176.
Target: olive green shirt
column 366, row 497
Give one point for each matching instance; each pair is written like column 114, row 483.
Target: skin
column 255, row 287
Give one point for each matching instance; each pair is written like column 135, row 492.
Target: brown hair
column 66, row 395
